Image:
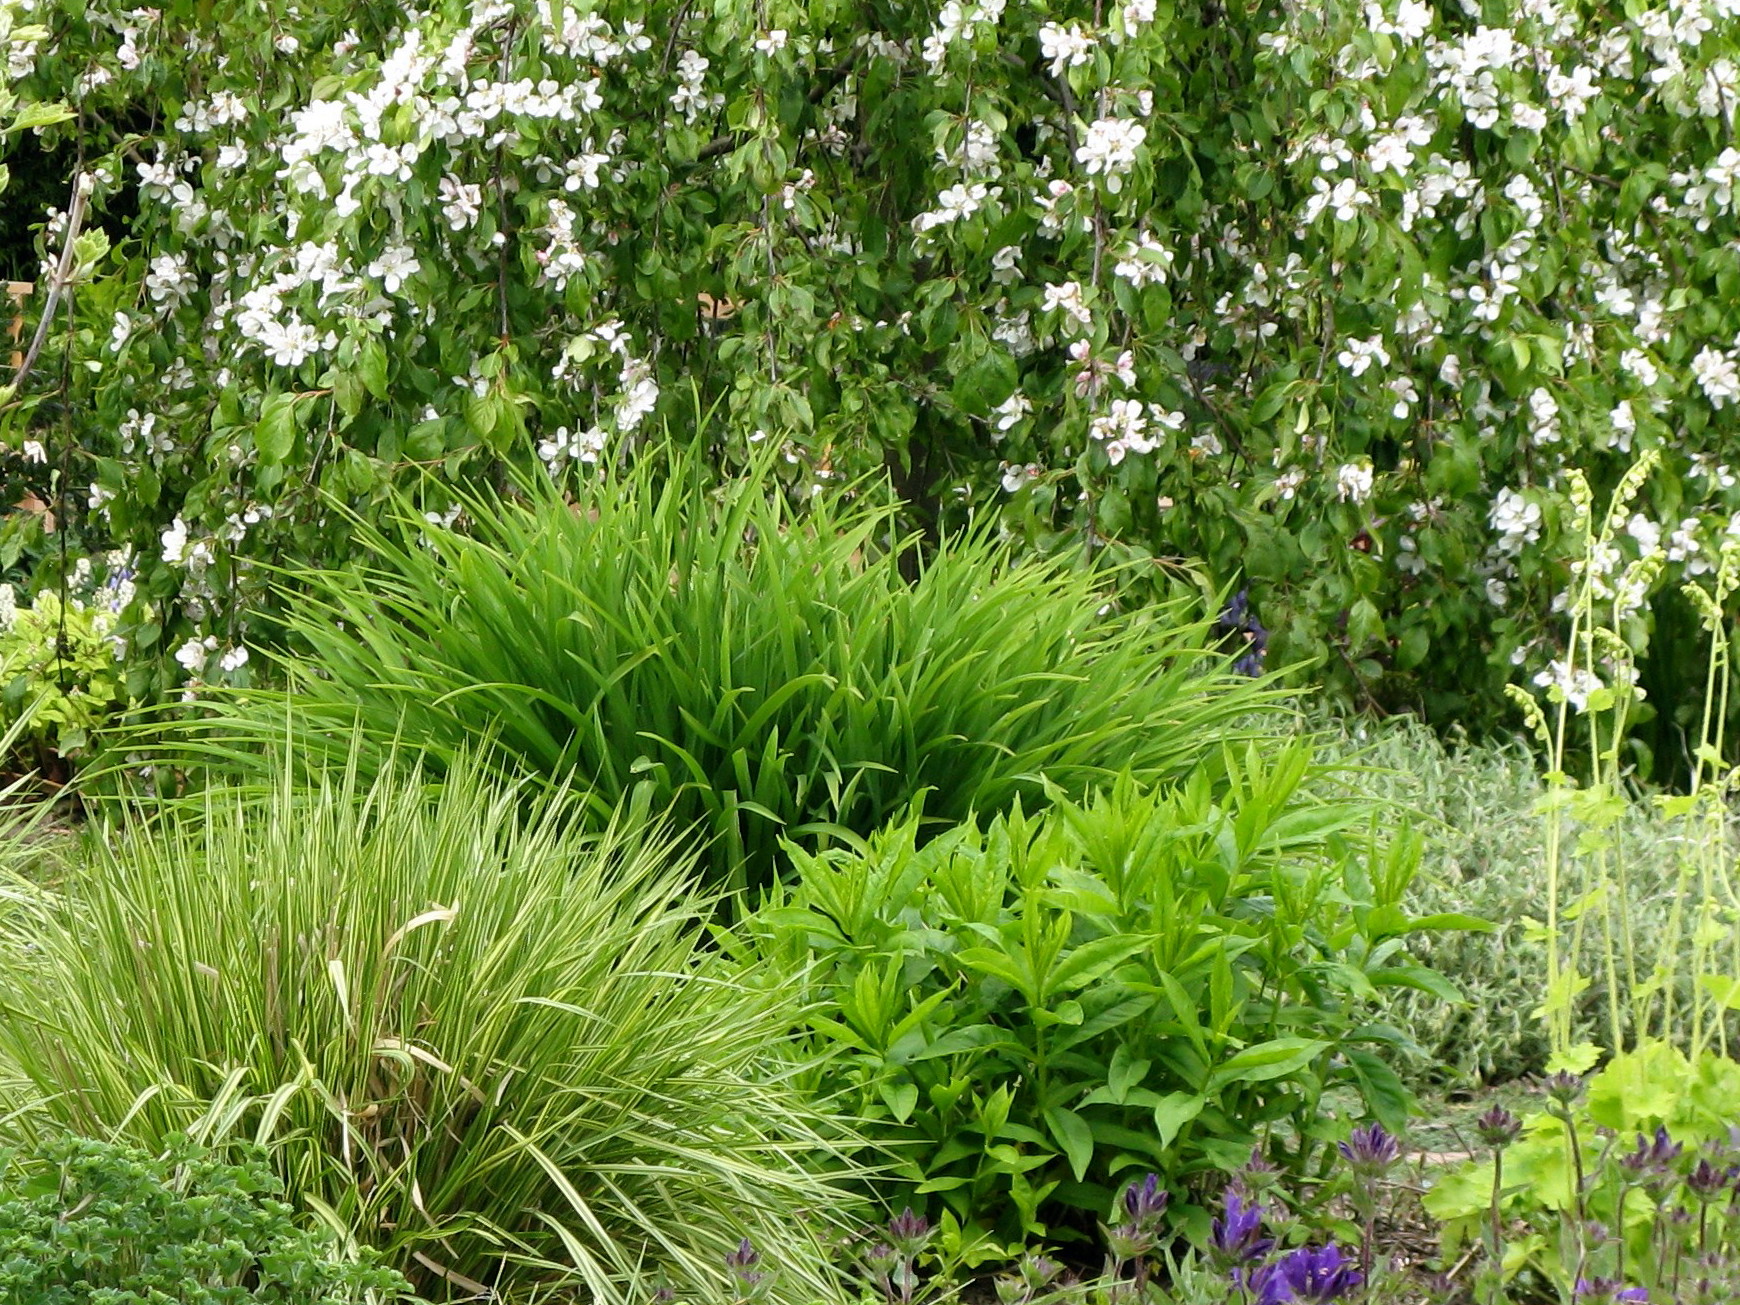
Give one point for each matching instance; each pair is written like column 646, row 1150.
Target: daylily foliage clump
column 1326, row 296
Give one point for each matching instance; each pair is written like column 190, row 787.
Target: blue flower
column 1605, row 1291
column 1306, row 1276
column 1237, row 619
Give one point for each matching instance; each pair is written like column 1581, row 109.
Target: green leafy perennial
column 1035, row 1013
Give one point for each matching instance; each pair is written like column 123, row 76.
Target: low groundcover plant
column 96, row 1223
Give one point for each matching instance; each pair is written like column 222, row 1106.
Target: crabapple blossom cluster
column 1334, row 322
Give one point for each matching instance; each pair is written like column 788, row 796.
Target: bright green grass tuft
column 760, row 673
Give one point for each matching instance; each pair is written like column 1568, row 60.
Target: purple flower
column 1653, row 1156
column 1237, row 1235
column 1232, row 616
column 1236, row 620
column 742, row 1262
column 1306, row 1277
column 1370, row 1151
column 1605, row 1291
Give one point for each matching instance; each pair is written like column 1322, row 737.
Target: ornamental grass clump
column 759, row 672
column 471, row 1034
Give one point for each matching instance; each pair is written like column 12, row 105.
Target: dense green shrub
column 482, row 1040
column 97, row 1223
column 1032, row 1014
column 760, row 672
column 60, row 673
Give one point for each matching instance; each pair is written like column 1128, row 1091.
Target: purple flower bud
column 744, row 1257
column 1653, row 1156
column 1129, row 1241
column 1564, row 1088
column 1037, row 1271
column 1144, row 1202
column 882, row 1259
column 1706, row 1180
column 1258, row 1175
column 909, row 1232
column 742, row 1262
column 1370, row 1151
column 1498, row 1127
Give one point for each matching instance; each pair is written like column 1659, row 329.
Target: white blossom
column 1067, row 296
column 1717, row 376
column 1066, row 47
column 1010, row 413
column 192, row 654
column 1345, row 198
column 1644, row 531
column 461, row 202
column 175, row 542
column 1575, row 684
column 396, row 265
column 1516, row 519
column 1110, row 147
column 1359, row 355
column 1353, row 482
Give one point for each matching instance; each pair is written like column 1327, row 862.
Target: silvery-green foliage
column 1474, row 803
column 86, row 1221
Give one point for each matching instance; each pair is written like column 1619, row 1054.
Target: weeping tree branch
column 57, row 285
